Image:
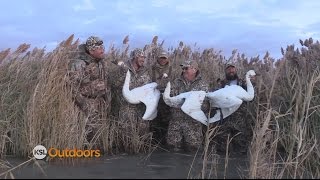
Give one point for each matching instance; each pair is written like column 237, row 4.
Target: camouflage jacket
column 180, row 85
column 157, row 75
column 88, row 76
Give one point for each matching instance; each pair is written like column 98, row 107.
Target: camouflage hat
column 163, row 54
column 230, row 64
column 94, row 42
column 190, row 63
column 137, row 53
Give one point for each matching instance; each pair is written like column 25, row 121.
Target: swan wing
column 150, row 99
column 192, row 106
column 227, row 111
column 225, row 97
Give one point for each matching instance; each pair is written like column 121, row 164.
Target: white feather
column 189, row 102
column 175, row 101
column 147, row 94
column 230, row 98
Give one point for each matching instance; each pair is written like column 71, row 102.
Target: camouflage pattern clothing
column 90, row 87
column 130, row 115
column 184, row 130
column 161, row 75
column 93, row 43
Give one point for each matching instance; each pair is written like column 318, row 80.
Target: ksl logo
column 39, row 152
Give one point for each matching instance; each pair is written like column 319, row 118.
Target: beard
column 231, row 77
column 140, row 64
column 99, row 57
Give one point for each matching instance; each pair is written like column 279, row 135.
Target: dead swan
column 147, row 94
column 189, row 102
column 230, row 98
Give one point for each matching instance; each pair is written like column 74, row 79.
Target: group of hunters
column 95, row 89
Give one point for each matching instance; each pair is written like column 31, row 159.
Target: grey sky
column 251, row 26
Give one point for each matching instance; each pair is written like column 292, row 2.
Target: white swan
column 147, row 94
column 230, row 98
column 189, row 102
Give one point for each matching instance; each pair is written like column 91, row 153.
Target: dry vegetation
column 281, row 125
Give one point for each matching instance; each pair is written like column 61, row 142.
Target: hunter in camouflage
column 237, row 122
column 89, row 82
column 232, row 77
column 130, row 115
column 181, row 126
column 161, row 74
column 161, row 70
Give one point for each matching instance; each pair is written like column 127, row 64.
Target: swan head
column 250, row 73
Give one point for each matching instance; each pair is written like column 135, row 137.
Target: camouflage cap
column 163, row 54
column 190, row 63
column 94, row 42
column 230, row 64
column 137, row 53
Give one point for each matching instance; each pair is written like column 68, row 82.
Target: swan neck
column 250, row 89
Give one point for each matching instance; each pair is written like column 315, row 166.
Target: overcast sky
column 251, row 26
